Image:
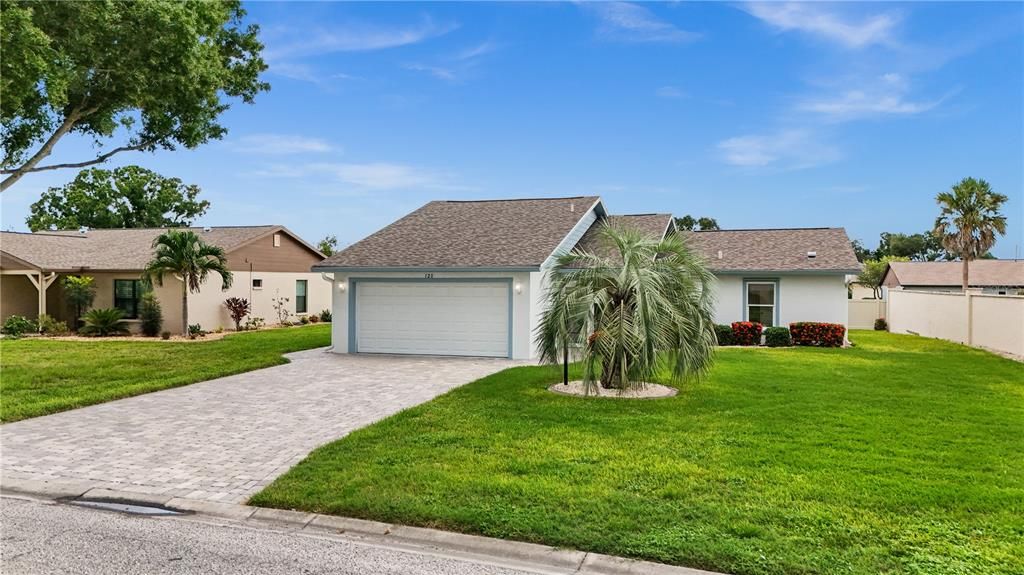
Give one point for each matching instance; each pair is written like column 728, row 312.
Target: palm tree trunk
column 184, row 309
column 966, row 279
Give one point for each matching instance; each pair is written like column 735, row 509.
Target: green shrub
column 325, row 316
column 50, row 326
column 195, row 330
column 303, row 320
column 103, row 322
column 150, row 314
column 254, row 322
column 19, row 325
column 165, row 335
column 314, row 318
column 777, row 337
column 817, row 333
column 881, row 324
column 724, row 334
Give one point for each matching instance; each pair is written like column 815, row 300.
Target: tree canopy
column 127, row 197
column 873, row 272
column 148, row 73
column 328, row 245
column 691, row 223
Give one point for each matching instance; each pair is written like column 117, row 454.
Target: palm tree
column 639, row 307
column 969, row 220
column 188, row 258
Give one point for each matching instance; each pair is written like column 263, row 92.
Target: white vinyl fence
column 864, row 312
column 990, row 321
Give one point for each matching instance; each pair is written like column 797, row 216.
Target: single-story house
column 1004, row 277
column 468, row 277
column 266, row 262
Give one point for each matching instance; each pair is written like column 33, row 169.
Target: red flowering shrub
column 817, row 333
column 746, row 333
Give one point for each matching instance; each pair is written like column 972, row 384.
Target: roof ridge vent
column 83, row 229
column 812, row 254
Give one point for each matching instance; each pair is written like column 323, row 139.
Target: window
column 127, row 294
column 761, row 302
column 277, row 240
column 257, row 283
column 300, row 296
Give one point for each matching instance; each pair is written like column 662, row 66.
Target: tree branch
column 69, row 122
column 97, row 160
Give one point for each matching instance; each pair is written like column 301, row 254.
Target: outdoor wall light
column 342, row 286
column 519, row 288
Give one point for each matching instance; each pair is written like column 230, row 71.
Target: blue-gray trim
column 353, row 282
column 785, row 272
column 319, row 268
column 753, row 280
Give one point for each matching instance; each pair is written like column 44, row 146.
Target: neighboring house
column 468, row 277
column 779, row 276
column 266, row 261
column 1002, row 277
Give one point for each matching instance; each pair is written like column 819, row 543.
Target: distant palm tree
column 640, row 306
column 186, row 256
column 969, row 220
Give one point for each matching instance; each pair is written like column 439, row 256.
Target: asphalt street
column 41, row 537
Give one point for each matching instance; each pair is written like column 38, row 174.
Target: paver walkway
column 225, row 439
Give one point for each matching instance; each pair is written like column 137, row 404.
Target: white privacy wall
column 800, row 298
column 983, row 320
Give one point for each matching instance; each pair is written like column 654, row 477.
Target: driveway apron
column 225, row 439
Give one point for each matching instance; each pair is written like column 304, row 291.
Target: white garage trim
column 353, row 344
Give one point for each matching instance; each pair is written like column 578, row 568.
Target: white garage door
column 433, row 318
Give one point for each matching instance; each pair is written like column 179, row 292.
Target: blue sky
column 760, row 115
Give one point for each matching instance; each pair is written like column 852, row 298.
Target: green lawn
column 901, row 455
column 40, row 376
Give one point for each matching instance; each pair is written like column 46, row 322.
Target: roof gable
column 469, row 234
column 653, row 225
column 776, row 250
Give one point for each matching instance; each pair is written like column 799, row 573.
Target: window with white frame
column 257, row 283
column 761, row 302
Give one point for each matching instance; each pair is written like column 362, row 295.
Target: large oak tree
column 127, row 197
column 137, row 75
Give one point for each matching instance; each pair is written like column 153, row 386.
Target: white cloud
column 817, row 20
column 788, row 149
column 378, row 176
column 474, row 52
column 631, row 22
column 439, row 72
column 280, row 144
column 355, row 37
column 882, row 96
column 670, row 92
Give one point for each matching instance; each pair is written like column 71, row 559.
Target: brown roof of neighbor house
column 981, row 273
column 776, row 250
column 654, row 225
column 117, row 249
column 468, row 234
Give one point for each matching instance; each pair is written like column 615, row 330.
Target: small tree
column 151, row 316
column 873, row 272
column 238, row 307
column 280, row 305
column 969, row 220
column 186, row 256
column 643, row 307
column 80, row 291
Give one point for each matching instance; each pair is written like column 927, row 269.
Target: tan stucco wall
column 18, row 297
column 990, row 321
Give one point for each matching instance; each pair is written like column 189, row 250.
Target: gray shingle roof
column 113, row 249
column 468, row 234
column 654, row 225
column 981, row 273
column 776, row 250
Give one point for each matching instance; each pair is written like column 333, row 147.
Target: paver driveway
column 227, row 438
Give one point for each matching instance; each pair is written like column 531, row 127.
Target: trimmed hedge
column 746, row 333
column 723, row 333
column 777, row 337
column 817, row 333
column 881, row 324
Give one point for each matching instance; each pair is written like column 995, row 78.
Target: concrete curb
column 550, row 559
